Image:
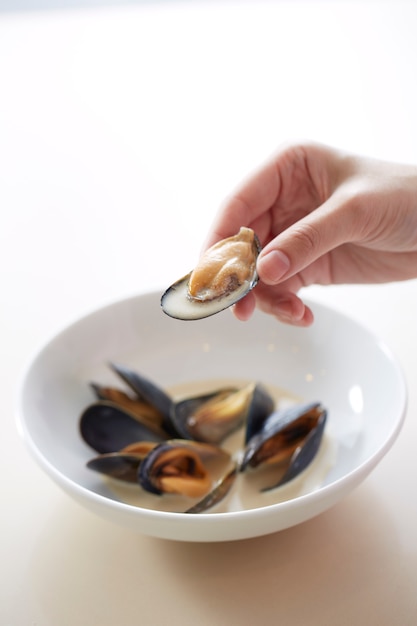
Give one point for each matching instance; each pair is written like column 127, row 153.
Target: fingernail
column 287, row 309
column 273, row 266
column 284, row 310
column 290, row 310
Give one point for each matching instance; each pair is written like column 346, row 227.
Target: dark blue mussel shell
column 107, row 428
column 289, row 437
column 151, row 393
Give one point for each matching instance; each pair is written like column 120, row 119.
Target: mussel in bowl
column 288, row 441
column 183, row 467
column 198, row 447
column 212, row 417
column 225, row 273
column 124, row 464
column 107, row 427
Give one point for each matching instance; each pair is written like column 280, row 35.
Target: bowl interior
column 336, row 361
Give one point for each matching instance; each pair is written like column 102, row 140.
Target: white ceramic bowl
column 335, row 361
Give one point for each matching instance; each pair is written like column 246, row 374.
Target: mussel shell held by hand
column 225, row 273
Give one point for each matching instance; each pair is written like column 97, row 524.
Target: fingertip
column 308, row 317
column 292, row 310
column 244, row 309
column 305, row 320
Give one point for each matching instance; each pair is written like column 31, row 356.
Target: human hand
column 323, row 217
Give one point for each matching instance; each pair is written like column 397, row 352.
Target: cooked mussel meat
column 225, row 273
column 182, row 467
column 211, row 417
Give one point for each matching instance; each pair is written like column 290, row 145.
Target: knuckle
column 307, row 236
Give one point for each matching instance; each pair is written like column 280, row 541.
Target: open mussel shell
column 304, row 454
column 261, row 406
column 213, row 416
column 224, row 275
column 148, row 391
column 183, row 467
column 122, row 465
column 218, row 493
column 137, row 407
column 282, row 433
column 105, row 427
